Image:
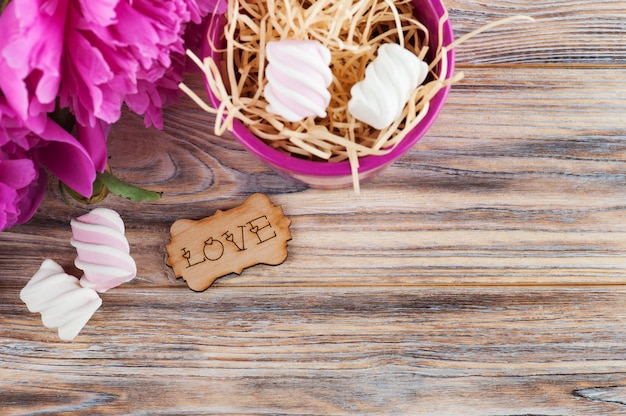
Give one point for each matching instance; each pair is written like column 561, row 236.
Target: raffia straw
column 352, row 30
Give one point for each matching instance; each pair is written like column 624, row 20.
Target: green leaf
column 125, row 190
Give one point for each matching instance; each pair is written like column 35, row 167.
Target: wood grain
column 484, row 273
column 333, row 351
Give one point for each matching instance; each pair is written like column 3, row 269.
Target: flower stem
column 126, row 190
column 106, row 183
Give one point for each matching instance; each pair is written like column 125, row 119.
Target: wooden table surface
column 484, row 273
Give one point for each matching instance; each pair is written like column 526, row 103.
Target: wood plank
column 520, row 197
column 253, row 350
column 569, row 32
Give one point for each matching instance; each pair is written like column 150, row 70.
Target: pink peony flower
column 91, row 57
column 23, row 154
column 130, row 58
column 95, row 55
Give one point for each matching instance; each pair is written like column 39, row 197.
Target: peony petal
column 200, row 8
column 22, row 188
column 94, row 140
column 8, row 208
column 31, row 44
column 86, row 76
column 66, row 158
column 31, row 197
column 99, row 12
column 17, row 173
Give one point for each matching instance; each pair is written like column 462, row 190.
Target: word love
column 229, row 241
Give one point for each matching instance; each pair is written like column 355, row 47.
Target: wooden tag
column 229, row 241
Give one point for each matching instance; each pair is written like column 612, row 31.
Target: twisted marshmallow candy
column 390, row 79
column 60, row 299
column 298, row 76
column 103, row 251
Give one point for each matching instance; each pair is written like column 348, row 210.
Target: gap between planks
column 289, row 286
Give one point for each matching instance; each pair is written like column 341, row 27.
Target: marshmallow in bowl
column 103, row 252
column 60, row 299
column 298, row 77
column 390, row 79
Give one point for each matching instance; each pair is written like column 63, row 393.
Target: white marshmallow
column 298, row 77
column 390, row 79
column 60, row 299
column 103, row 250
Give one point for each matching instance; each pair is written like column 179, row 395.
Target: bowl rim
column 289, row 163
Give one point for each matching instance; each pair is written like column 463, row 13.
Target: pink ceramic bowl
column 339, row 175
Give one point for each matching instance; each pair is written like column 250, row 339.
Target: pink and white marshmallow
column 390, row 79
column 60, row 299
column 298, row 76
column 103, row 250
